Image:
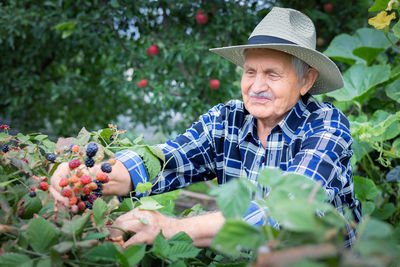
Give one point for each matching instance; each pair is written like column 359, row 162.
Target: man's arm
column 201, row 228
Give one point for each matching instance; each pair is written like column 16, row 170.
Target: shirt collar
column 288, row 125
column 292, row 120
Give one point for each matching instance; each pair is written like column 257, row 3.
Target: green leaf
column 148, row 203
column 269, row 177
column 365, row 189
column 63, row 247
column 63, row 26
column 379, row 5
column 233, row 198
column 99, row 210
column 385, row 125
column 371, row 228
column 96, row 236
column 392, row 90
column 180, row 237
column 15, row 259
column 40, row 235
column 161, row 246
column 396, row 29
column 236, row 235
column 133, row 254
column 296, row 215
column 143, row 187
column 182, row 250
column 40, row 137
column 83, row 137
column 103, row 252
column 126, row 205
column 22, row 138
column 359, row 79
column 367, row 53
column 114, row 3
column 367, row 207
column 77, row 225
column 32, row 205
column 385, row 212
column 157, row 152
column 151, row 161
column 105, row 135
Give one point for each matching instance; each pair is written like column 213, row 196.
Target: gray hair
column 300, row 67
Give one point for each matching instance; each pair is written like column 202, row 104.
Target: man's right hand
column 120, row 182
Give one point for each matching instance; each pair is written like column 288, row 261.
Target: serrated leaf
column 182, row 250
column 161, row 246
column 233, row 198
column 83, row 137
column 22, row 138
column 32, row 205
column 147, row 203
column 99, row 210
column 143, row 187
column 157, row 152
column 77, row 225
column 40, row 235
column 105, row 135
column 40, row 137
column 236, row 235
column 15, row 259
column 180, row 237
column 63, row 247
column 103, row 252
column 133, row 254
column 151, row 162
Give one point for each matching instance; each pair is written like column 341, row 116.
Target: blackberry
column 106, row 167
column 91, row 149
column 32, row 194
column 5, row 148
column 84, row 197
column 92, row 198
column 89, row 162
column 51, row 157
column 97, row 193
column 89, row 205
column 111, row 138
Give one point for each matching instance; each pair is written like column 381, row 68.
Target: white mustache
column 262, row 94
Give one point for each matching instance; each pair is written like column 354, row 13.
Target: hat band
column 266, row 39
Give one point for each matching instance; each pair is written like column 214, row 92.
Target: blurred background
column 143, row 65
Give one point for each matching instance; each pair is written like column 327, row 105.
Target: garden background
column 145, row 66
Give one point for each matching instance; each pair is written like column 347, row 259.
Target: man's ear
column 308, row 80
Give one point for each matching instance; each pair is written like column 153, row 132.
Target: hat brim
column 329, row 77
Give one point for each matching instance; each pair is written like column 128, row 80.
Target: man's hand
column 120, row 183
column 145, row 225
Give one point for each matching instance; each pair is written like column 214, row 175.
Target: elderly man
column 278, row 124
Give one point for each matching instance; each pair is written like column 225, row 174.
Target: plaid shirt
column 313, row 139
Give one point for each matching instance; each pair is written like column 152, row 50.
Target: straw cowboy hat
column 292, row 32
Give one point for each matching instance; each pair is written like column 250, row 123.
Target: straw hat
column 292, row 32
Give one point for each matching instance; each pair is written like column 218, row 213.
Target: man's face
column 270, row 87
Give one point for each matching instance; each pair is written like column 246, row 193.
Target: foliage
column 69, row 64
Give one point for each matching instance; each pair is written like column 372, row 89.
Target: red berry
column 33, row 188
column 81, row 205
column 328, row 7
column 25, row 160
column 79, row 173
column 63, row 182
column 44, row 186
column 142, row 83
column 4, row 126
column 74, row 179
column 214, row 84
column 106, row 180
column 109, row 223
column 201, row 18
column 85, row 179
column 73, row 200
column 86, row 190
column 152, row 50
column 74, row 164
column 67, row 192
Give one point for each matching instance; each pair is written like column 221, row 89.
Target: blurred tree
column 68, row 64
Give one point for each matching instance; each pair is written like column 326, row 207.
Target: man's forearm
column 202, row 228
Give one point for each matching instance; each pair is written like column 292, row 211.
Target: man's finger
column 139, row 238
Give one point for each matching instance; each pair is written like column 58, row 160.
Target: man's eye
column 273, row 76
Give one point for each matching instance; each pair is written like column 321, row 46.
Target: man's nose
column 260, row 84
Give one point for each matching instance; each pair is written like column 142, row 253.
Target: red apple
column 201, row 18
column 214, row 84
column 320, row 41
column 328, row 7
column 152, row 50
column 142, row 83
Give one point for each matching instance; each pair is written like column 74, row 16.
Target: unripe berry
column 101, row 176
column 85, row 179
column 93, row 186
column 79, row 173
column 77, row 188
column 74, row 179
column 63, row 182
column 67, row 192
column 86, row 190
column 81, row 205
column 73, row 200
column 112, row 161
column 74, row 209
column 33, row 188
column 75, row 148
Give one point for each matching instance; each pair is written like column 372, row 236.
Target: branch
column 292, row 255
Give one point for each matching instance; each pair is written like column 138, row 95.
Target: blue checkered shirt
column 313, row 139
